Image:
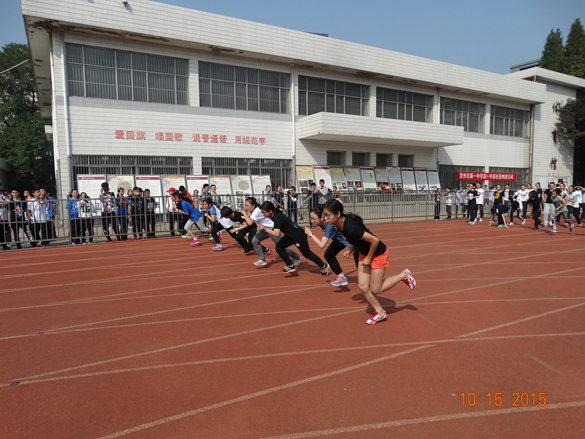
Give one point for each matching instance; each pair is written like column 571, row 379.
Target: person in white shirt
column 522, row 198
column 4, row 220
column 480, row 200
column 449, row 202
column 37, row 209
column 459, row 201
column 574, row 200
column 253, row 215
column 507, row 195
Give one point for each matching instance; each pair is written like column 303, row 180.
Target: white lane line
column 426, row 320
column 294, row 353
column 192, row 343
column 526, row 319
column 257, row 394
column 447, row 317
column 427, row 419
column 543, row 363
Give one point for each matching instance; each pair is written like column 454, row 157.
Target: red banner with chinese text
column 482, row 176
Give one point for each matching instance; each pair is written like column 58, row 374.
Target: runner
column 574, row 199
column 217, row 223
column 253, row 215
column 560, row 206
column 194, row 217
column 242, row 231
column 293, row 234
column 535, row 203
column 336, row 243
column 373, row 256
column 549, row 212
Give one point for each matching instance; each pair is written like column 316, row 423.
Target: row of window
column 122, row 75
column 337, row 158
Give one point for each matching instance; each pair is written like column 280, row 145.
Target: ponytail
column 335, row 207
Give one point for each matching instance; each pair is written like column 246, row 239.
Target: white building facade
column 146, row 88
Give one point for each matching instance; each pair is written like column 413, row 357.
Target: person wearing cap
column 171, row 209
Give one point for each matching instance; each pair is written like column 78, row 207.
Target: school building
column 139, row 87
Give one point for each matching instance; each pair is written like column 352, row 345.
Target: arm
column 373, row 247
column 249, row 221
column 320, row 242
column 275, row 232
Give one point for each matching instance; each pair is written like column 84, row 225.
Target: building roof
column 162, row 24
column 550, row 76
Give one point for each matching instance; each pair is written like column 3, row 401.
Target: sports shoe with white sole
column 325, row 270
column 289, row 269
column 217, row 247
column 410, row 281
column 553, row 230
column 267, row 251
column 572, row 228
column 523, row 221
column 195, row 242
column 260, row 263
column 339, row 281
column 376, row 317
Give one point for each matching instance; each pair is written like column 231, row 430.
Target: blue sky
column 489, row 36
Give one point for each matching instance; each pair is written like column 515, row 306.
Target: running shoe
column 470, row 223
column 266, row 251
column 553, row 230
column 186, row 235
column 260, row 263
column 297, row 261
column 501, row 226
column 572, row 228
column 325, row 270
column 536, row 229
column 339, row 281
column 217, row 247
column 410, row 281
column 289, row 269
column 210, row 238
column 480, row 220
column 523, row 221
column 376, row 317
column 195, row 242
column 510, row 224
column 250, row 252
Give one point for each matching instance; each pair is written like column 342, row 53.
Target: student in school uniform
column 239, row 233
column 217, row 223
column 194, row 217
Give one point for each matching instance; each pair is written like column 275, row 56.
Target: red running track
column 157, row 339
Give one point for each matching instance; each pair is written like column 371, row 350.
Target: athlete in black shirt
column 293, row 234
column 373, row 257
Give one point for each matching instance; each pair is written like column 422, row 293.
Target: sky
column 489, row 36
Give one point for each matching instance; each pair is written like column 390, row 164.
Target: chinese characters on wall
column 199, row 138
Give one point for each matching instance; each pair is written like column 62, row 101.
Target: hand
column 308, row 230
column 367, row 260
column 348, row 253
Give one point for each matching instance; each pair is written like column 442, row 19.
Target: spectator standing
column 37, row 209
column 459, row 201
column 278, row 198
column 472, row 196
column 86, row 217
column 293, row 207
column 150, row 204
column 215, row 196
column 4, row 220
column 449, row 203
column 123, row 204
column 75, row 220
column 137, row 213
column 323, row 193
column 17, row 210
column 109, row 216
column 170, row 207
column 480, row 200
column 437, row 200
column 312, row 197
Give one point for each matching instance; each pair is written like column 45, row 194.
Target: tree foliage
column 22, row 136
column 571, row 120
column 575, row 50
column 553, row 54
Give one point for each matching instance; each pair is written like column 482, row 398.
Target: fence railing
column 38, row 223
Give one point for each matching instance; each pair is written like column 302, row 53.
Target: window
column 509, row 122
column 469, row 115
column 323, row 95
column 383, row 159
column 240, row 88
column 404, row 105
column 95, row 72
column 278, row 169
column 335, row 158
column 405, row 161
column 360, row 159
column 131, row 165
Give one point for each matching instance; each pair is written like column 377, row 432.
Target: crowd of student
column 546, row 207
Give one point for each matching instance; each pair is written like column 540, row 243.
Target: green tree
column 570, row 123
column 22, row 136
column 553, row 54
column 575, row 49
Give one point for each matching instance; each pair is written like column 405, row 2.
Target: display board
column 354, row 178
column 259, row 183
column 420, row 176
column 169, row 181
column 408, row 179
column 433, row 178
column 153, row 182
column 394, row 177
column 242, row 187
column 338, row 178
column 305, row 178
column 381, row 179
column 323, row 173
column 120, row 181
column 368, row 179
column 196, row 182
column 90, row 184
column 222, row 184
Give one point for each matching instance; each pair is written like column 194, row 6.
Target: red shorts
column 378, row 261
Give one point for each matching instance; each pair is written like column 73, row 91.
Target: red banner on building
column 482, row 176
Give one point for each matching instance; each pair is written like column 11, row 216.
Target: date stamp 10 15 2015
column 517, row 400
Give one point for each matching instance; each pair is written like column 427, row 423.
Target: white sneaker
column 480, row 220
column 260, row 263
column 523, row 221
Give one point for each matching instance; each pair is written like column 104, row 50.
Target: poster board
column 120, row 181
column 90, row 184
column 407, row 175
column 196, row 182
column 338, row 178
column 153, row 182
column 169, row 181
column 222, row 184
column 381, row 179
column 259, row 183
column 305, row 178
column 353, row 176
column 242, row 187
column 394, row 177
column 368, row 178
column 323, row 173
column 433, row 179
column 420, row 176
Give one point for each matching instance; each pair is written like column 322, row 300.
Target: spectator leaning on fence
column 151, row 205
column 4, row 220
column 74, row 219
column 292, row 204
column 123, row 204
column 437, row 200
column 109, row 216
column 86, row 217
column 17, row 208
column 39, row 232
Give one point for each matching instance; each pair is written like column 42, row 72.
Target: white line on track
column 548, row 366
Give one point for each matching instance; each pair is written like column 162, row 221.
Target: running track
column 157, row 339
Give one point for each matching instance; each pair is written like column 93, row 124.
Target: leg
column 364, row 277
column 281, row 247
column 15, row 227
column 288, row 250
column 330, row 256
column 240, row 238
column 305, row 250
column 258, row 238
column 216, row 228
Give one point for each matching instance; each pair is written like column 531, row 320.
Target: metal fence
column 41, row 223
